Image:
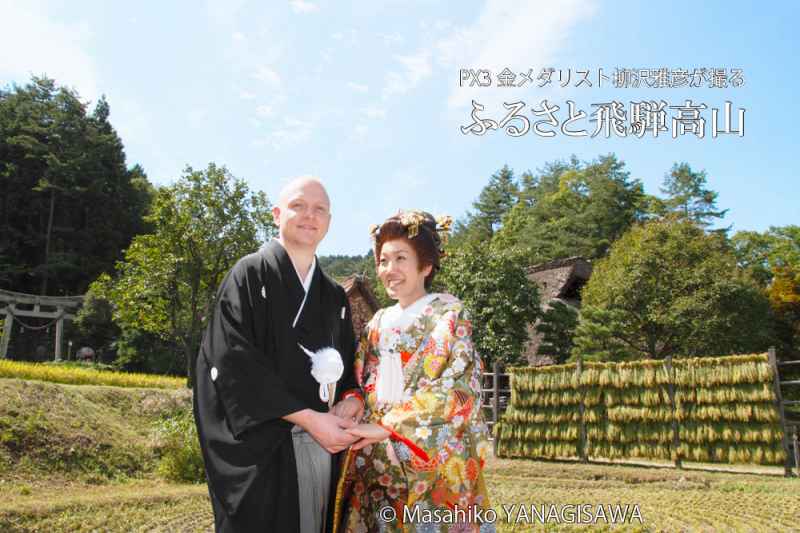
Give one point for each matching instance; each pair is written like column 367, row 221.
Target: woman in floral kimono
column 423, row 441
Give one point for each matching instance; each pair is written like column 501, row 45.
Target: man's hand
column 350, row 408
column 327, row 429
column 369, row 434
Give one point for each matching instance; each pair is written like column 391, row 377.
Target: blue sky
column 366, row 94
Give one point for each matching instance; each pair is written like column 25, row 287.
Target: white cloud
column 34, row 43
column 224, row 12
column 301, row 6
column 264, row 111
column 349, row 37
column 246, row 53
column 441, row 25
column 292, row 132
column 357, row 87
column 391, row 39
column 416, row 68
column 517, row 34
column 267, row 75
column 374, row 112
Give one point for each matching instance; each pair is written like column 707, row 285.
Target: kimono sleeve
column 243, row 373
column 447, row 395
column 366, row 357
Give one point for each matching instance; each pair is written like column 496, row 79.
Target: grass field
column 82, row 458
column 669, row 500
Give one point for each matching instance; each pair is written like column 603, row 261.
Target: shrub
column 181, row 460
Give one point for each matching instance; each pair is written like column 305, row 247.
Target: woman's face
column 398, row 269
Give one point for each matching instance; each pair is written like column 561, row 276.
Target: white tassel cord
column 327, row 368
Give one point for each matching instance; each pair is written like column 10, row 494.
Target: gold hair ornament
column 443, row 225
column 411, row 220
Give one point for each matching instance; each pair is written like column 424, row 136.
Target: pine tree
column 687, row 196
column 496, row 199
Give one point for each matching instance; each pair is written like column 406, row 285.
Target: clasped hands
column 337, row 430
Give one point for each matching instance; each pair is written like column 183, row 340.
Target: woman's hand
column 349, row 408
column 369, row 434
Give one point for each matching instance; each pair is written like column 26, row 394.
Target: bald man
column 268, row 439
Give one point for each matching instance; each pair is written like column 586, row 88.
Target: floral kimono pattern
column 435, row 457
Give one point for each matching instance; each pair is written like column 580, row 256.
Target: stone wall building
column 559, row 280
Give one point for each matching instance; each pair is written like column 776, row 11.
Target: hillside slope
column 83, row 432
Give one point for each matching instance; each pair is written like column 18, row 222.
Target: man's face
column 303, row 215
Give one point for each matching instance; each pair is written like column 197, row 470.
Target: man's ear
column 426, row 270
column 276, row 215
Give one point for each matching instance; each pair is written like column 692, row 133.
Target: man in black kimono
column 267, row 437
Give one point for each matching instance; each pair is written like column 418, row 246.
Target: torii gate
column 17, row 304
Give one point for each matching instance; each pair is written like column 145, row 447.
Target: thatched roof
column 560, row 278
column 358, row 283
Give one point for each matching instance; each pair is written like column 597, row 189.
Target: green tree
column 773, row 259
column 784, row 298
column 668, row 288
column 752, row 251
column 495, row 200
column 761, row 253
column 573, row 209
column 69, row 204
column 557, row 327
column 688, row 197
column 96, row 327
column 166, row 285
column 340, row 267
column 498, row 295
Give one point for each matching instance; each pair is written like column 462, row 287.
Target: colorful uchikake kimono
column 435, row 456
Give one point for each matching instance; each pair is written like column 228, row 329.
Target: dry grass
column 135, row 506
column 81, row 458
column 669, row 500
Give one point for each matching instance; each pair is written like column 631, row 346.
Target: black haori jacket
column 251, row 372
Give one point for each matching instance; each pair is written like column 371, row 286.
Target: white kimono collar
column 397, row 317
